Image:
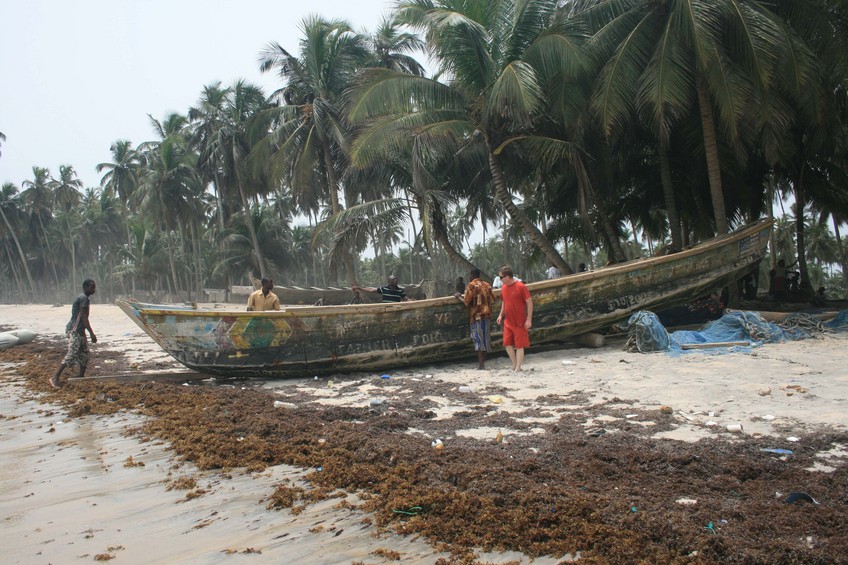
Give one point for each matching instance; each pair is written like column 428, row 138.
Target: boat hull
column 318, row 340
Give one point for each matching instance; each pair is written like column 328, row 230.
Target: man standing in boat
column 479, row 299
column 516, row 316
column 263, row 299
column 391, row 292
column 75, row 330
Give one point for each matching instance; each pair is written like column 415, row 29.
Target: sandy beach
column 77, row 489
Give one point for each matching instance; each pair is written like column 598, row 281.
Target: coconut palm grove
column 462, row 133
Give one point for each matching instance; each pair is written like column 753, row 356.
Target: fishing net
column 745, row 329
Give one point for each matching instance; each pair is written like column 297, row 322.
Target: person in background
column 479, row 300
column 263, row 299
column 460, row 285
column 581, row 268
column 391, row 292
column 553, row 272
column 516, row 316
column 78, row 353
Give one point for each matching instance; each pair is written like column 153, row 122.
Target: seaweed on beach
column 609, row 493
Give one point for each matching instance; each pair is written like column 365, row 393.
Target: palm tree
column 38, row 199
column 225, row 133
column 306, row 149
column 720, row 60
column 9, row 209
column 391, row 47
column 498, row 56
column 66, row 191
column 169, row 188
column 121, row 180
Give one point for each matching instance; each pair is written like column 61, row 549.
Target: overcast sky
column 76, row 75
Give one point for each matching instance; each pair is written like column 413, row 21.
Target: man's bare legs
column 481, row 359
column 516, row 356
column 510, row 350
column 519, row 359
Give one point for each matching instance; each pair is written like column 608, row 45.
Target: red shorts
column 516, row 336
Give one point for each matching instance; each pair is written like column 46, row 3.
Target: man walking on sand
column 479, row 300
column 516, row 316
column 75, row 330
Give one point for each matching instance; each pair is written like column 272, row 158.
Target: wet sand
column 72, row 489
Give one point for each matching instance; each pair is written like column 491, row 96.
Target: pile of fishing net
column 647, row 334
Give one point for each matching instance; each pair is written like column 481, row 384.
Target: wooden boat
column 310, row 296
column 315, row 340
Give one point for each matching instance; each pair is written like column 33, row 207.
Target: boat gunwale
column 379, row 307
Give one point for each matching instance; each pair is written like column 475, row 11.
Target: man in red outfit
column 516, row 316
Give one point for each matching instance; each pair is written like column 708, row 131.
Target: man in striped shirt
column 391, row 292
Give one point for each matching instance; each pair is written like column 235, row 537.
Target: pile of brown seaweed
column 609, row 497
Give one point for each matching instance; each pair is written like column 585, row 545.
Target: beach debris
column 281, row 404
column 711, row 528
column 595, row 432
column 385, row 376
column 764, row 391
column 768, row 417
column 499, row 437
column 687, row 501
column 7, row 340
column 411, row 511
column 330, row 383
column 711, row 423
column 376, row 402
column 465, row 389
column 796, row 497
column 495, row 399
column 777, row 450
column 734, row 428
column 568, row 362
column 792, row 389
column 24, row 336
column 666, row 410
column 437, row 444
column 793, row 439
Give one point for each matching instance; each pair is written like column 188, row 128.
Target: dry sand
column 69, row 490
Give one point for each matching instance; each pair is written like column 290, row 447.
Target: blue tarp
column 648, row 334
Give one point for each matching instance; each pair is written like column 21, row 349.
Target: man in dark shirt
column 75, row 330
column 391, row 292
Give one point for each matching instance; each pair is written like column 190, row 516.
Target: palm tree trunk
column 842, row 258
column 73, row 251
column 770, row 210
column 713, row 164
column 611, row 235
column 455, row 257
column 521, row 219
column 800, row 204
column 50, row 251
column 333, row 188
column 21, row 253
column 670, row 204
column 15, row 274
column 248, row 218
